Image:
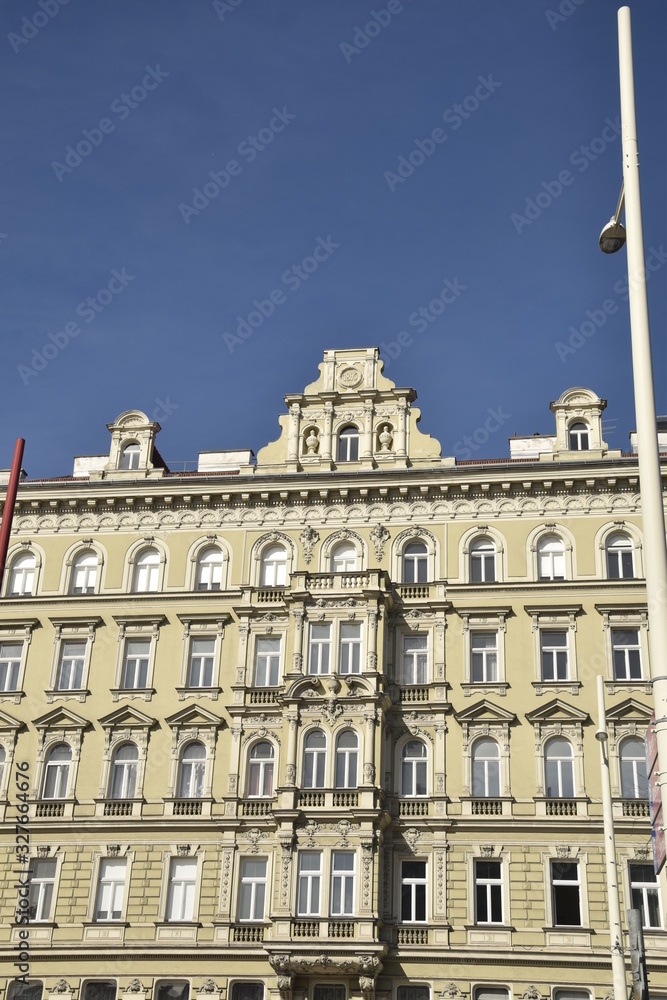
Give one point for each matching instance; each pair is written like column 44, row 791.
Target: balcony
column 49, row 810
column 636, row 808
column 248, row 933
column 412, row 935
column 329, row 798
column 413, row 807
column 263, row 696
column 313, row 927
column 305, row 929
column 561, row 807
column 270, row 595
column 414, row 591
column 257, row 807
column 118, row 808
column 409, row 694
column 486, row 807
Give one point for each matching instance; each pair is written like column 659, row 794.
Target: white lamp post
column 650, row 484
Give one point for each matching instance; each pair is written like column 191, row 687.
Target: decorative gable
column 353, row 397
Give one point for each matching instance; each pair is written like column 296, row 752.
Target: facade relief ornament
column 531, row 993
column 379, row 537
column 450, row 992
column 135, row 986
column 309, row 538
column 208, row 986
column 61, row 986
column 563, row 850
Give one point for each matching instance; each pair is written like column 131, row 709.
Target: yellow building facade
column 321, row 726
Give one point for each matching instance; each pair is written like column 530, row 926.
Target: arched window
column 209, row 569
column 192, row 771
column 123, row 777
column 578, row 436
column 414, row 769
column 314, row 759
column 344, row 558
column 146, row 572
column 348, row 445
column 22, row 577
column 620, row 557
column 129, row 456
column 274, row 567
column 56, row 772
column 415, row 563
column 559, row 769
column 486, row 769
column 260, row 770
column 84, row 573
column 634, row 783
column 550, row 558
column 347, row 756
column 482, row 561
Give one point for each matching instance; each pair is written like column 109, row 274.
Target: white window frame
column 316, row 754
column 415, row 882
column 353, row 645
column 136, row 629
column 551, row 661
column 178, row 914
column 126, row 768
column 253, row 881
column 555, row 619
column 308, row 878
column 196, row 775
column 348, row 562
column 200, row 663
column 558, row 761
column 69, row 782
column 622, row 741
column 89, row 588
column 22, row 641
column 415, row 564
column 490, row 884
column 71, row 631
column 118, row 885
column 147, row 576
column 262, row 765
column 346, row 878
column 346, row 436
column 618, row 646
column 346, row 753
column 317, row 647
column 551, row 905
column 484, row 620
column 625, row 620
column 273, row 572
column 645, row 888
column 129, row 456
column 486, row 546
column 38, row 886
column 579, row 429
column 612, row 549
column 489, row 655
column 135, row 663
column 486, row 794
column 266, row 661
column 547, row 539
column 22, row 553
column 210, row 573
column 425, row 761
column 410, row 665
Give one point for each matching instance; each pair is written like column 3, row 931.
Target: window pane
column 248, row 991
column 99, row 990
column 24, row 991
column 173, row 991
column 413, row 993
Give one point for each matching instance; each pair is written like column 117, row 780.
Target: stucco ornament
column 309, row 538
column 379, row 537
column 61, row 986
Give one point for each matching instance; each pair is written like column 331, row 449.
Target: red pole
column 10, row 500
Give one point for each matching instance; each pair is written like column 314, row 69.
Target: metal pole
column 615, row 929
column 650, row 484
column 10, row 499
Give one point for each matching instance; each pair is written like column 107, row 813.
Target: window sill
column 547, row 687
column 641, row 684
column 14, row 696
column 198, row 692
column 145, row 693
column 568, row 937
column 76, row 694
column 499, row 688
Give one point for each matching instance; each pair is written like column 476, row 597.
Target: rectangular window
column 565, row 893
column 99, row 989
column 488, row 892
column 42, row 887
column 342, row 884
column 70, row 667
column 322, row 992
column 413, row 892
column 645, row 894
column 110, row 889
column 413, row 993
column 626, row 653
column 484, row 657
column 309, row 884
column 248, row 991
column 200, row 663
column 554, row 656
column 350, row 649
column 252, row 889
column 24, row 991
column 10, row 664
column 267, row 662
column 172, row 991
column 181, row 892
column 135, row 664
column 415, row 659
column 319, row 653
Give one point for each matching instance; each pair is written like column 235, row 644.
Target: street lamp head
column 601, row 736
column 612, row 236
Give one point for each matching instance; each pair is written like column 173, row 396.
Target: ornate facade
column 322, row 726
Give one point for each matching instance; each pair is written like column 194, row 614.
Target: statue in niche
column 385, row 438
column 311, row 441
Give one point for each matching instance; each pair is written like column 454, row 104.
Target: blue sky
column 304, row 115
